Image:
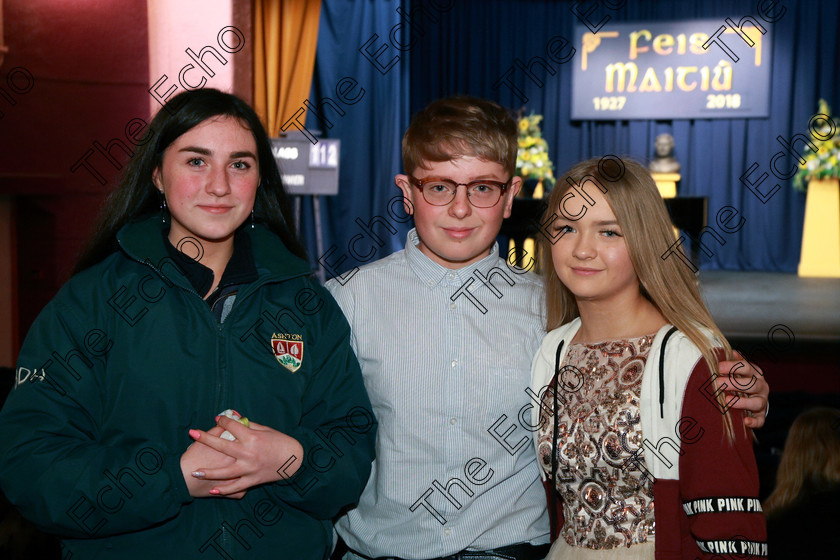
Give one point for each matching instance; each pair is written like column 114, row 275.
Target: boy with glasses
column 445, row 332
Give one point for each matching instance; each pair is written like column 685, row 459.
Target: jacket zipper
column 221, row 363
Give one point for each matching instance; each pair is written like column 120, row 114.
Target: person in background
column 802, row 510
column 646, row 460
column 193, row 297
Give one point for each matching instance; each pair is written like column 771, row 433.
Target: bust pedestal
column 667, row 183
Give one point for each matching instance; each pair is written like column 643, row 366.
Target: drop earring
column 162, row 207
column 252, row 208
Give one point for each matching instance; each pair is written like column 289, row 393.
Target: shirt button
column 453, row 421
column 450, row 276
column 447, row 531
column 452, row 305
column 454, row 363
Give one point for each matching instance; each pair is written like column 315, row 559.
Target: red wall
column 89, row 64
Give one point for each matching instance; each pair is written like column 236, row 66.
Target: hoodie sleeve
column 338, row 428
column 54, row 465
column 718, row 477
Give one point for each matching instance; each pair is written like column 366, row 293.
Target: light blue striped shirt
column 446, row 358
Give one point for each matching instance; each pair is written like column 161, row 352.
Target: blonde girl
column 647, row 457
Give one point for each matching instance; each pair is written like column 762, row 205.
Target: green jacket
column 128, row 357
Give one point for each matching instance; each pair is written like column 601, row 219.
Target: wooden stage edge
column 749, row 305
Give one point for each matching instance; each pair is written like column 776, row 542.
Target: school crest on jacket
column 288, row 349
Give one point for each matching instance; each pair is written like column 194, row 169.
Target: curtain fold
column 285, row 41
column 367, row 110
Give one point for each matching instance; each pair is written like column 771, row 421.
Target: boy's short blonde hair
column 459, row 126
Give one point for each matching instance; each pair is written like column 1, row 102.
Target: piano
column 688, row 213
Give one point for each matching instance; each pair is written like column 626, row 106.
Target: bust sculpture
column 664, row 160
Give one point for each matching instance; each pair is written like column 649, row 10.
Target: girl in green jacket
column 192, row 298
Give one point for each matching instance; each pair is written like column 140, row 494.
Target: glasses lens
column 484, row 195
column 438, row 193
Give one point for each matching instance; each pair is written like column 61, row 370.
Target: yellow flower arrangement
column 532, row 161
column 822, row 163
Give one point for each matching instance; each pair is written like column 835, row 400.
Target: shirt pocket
column 500, row 397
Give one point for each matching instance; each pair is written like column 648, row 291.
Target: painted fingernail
column 215, row 491
column 195, row 434
column 217, row 418
column 198, row 474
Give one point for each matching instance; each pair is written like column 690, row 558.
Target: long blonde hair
column 811, row 459
column 667, row 282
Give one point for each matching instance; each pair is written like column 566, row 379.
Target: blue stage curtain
column 478, row 42
column 471, row 45
column 370, row 130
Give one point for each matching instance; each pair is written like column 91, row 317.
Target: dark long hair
column 136, row 195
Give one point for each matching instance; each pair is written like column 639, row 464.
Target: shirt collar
column 432, row 273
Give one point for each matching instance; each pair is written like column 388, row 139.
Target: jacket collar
column 240, row 268
column 144, row 241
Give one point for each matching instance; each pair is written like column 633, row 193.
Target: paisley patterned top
column 607, row 497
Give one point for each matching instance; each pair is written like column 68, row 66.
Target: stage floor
column 746, row 305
